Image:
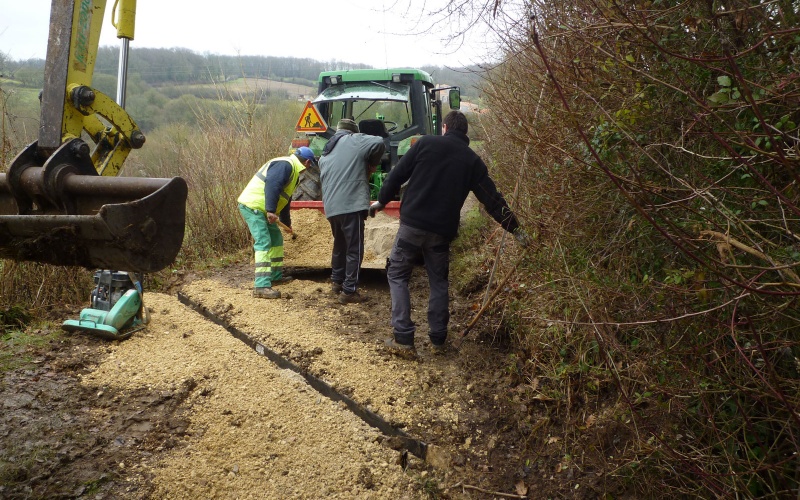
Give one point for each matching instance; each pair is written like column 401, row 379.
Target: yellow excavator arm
column 70, row 105
column 61, row 201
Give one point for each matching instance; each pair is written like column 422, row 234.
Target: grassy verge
column 18, row 340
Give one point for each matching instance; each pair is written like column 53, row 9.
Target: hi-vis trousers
column 268, row 246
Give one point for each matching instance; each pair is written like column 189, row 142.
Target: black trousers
column 348, row 249
column 409, row 245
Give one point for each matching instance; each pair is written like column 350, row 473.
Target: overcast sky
column 381, row 33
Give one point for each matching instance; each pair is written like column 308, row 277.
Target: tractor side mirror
column 454, row 98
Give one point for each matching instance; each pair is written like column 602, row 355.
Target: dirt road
column 185, row 410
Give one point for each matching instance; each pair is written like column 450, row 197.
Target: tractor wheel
column 309, row 187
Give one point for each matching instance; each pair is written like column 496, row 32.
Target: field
column 246, row 87
column 242, row 85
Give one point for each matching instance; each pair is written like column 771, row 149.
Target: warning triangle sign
column 310, row 120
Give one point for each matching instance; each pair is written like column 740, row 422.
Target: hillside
column 176, row 66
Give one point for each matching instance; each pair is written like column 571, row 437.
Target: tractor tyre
column 309, row 187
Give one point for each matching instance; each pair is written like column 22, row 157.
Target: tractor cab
column 399, row 105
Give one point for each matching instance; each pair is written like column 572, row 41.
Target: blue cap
column 306, row 154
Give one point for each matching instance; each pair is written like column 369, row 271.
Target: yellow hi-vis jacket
column 253, row 195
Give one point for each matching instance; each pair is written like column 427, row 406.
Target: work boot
column 282, row 280
column 351, row 298
column 441, row 349
column 336, row 288
column 401, row 350
column 266, row 293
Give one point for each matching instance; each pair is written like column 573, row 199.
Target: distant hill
column 166, row 67
column 172, row 85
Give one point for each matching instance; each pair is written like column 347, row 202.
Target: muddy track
column 186, row 409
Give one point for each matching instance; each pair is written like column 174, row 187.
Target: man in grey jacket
column 345, row 165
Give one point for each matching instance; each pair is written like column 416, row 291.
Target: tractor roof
column 379, row 75
column 364, row 91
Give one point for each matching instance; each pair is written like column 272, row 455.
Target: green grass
column 21, row 98
column 17, row 340
column 19, row 461
column 17, row 347
column 5, row 82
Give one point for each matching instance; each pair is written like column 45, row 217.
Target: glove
column 375, row 208
column 522, row 238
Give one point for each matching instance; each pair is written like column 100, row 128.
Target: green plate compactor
column 117, row 309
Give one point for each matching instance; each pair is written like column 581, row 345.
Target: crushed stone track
column 412, row 445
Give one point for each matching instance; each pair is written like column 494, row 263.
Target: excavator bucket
column 63, row 213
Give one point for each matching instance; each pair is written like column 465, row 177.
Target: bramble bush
column 653, row 149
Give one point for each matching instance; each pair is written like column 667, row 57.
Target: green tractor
column 399, row 105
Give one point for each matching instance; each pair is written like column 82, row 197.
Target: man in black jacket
column 441, row 171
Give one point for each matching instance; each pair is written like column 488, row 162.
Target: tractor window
column 429, row 123
column 395, row 115
column 385, row 101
